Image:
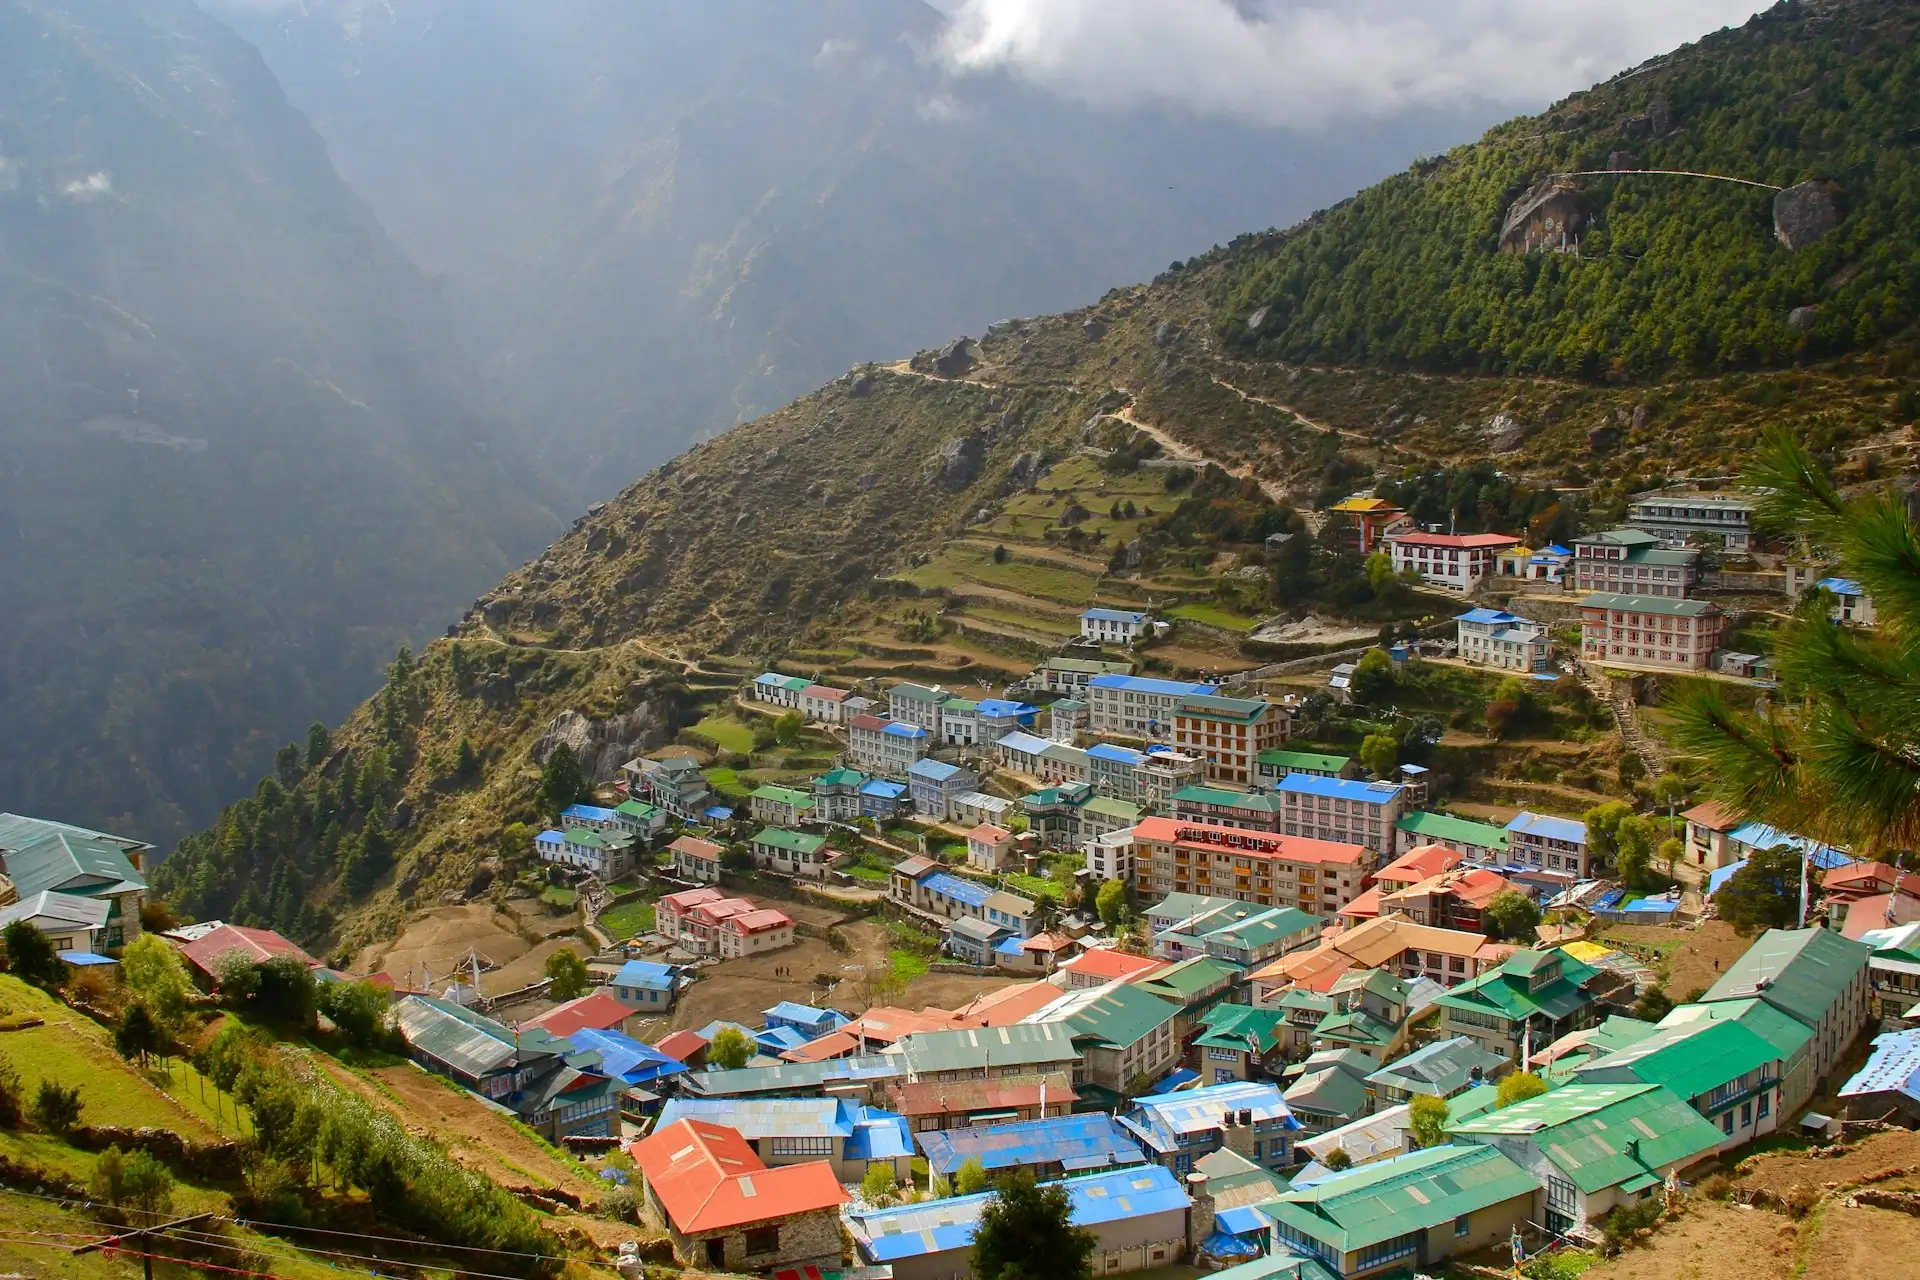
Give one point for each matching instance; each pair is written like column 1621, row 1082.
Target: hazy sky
column 1302, row 63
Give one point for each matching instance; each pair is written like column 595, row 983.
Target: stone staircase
column 1618, row 695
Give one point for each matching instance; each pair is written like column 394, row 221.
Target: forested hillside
column 240, row 459
column 1671, row 274
column 946, row 519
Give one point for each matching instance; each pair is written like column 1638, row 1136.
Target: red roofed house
column 595, row 1011
column 1865, row 879
column 1881, row 911
column 1317, row 876
column 670, row 913
column 725, row 1210
column 1416, row 864
column 1454, row 561
column 751, row 932
column 700, row 927
column 989, row 848
column 1006, row 1006
column 1038, row 954
column 1454, row 899
column 1097, row 966
column 823, row 702
column 684, row 1046
column 206, row 952
column 938, row 1104
column 697, row 860
column 1708, row 826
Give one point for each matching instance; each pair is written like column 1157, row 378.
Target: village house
column 1067, row 677
column 606, row 854
column 990, row 848
column 930, row 1106
column 1249, row 1118
column 886, row 747
column 1345, row 809
column 1037, row 956
column 674, row 784
column 850, row 1137
column 1138, row 706
column 986, row 1052
column 1451, row 561
column 1474, row 840
column 1057, row 1146
column 1549, row 564
column 1112, row 626
column 592, row 817
column 776, row 690
column 917, row 704
column 1642, row 631
column 1097, row 966
column 1815, row 977
column 1126, row 1036
column 1328, row 1089
column 1111, row 856
column 1072, row 815
column 530, row 1073
column 1455, row 899
column 983, row 723
column 933, row 785
column 1372, row 519
column 974, row 808
column 644, row 987
column 595, row 1011
column 71, row 923
column 1239, row 1042
column 1726, row 1071
column 1632, row 562
column 781, row 806
column 922, row 885
column 791, row 853
column 1166, row 772
column 1230, row 733
column 752, row 932
column 1317, row 876
column 1889, row 1084
column 883, row 800
column 1552, row 844
column 1271, row 766
column 1501, row 640
column 724, row 1210
column 1852, row 606
column 1067, row 720
column 1243, row 934
column 823, row 703
column 1723, row 520
column 670, row 915
column 1195, row 984
column 836, row 796
column 1442, row 1069
column 1116, row 769
column 40, row 856
column 1532, row 999
column 207, row 953
column 696, row 859
column 1219, row 807
column 1395, row 944
column 639, row 819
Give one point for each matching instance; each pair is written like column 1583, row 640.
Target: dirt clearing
column 1864, row 1244
column 1691, row 959
column 1713, row 1241
column 437, row 942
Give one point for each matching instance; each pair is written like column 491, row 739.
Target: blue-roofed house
column 1551, row 844
column 607, row 854
column 951, row 897
column 646, row 987
column 1744, row 839
column 1138, row 1217
column 1137, row 705
column 1058, row 1146
column 1024, row 753
column 886, row 747
column 836, row 795
column 1116, row 770
column 1343, row 809
column 626, row 1059
column 932, row 785
column 805, row 1018
column 975, row 940
column 1113, row 626
column 591, row 816
column 774, row 1041
column 997, row 717
column 1248, row 1117
column 883, row 799
column 1852, row 605
column 1889, row 1085
column 1504, row 641
column 849, row 1136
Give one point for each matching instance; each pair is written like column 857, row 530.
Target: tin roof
column 1804, row 972
column 1161, row 1119
column 931, row 1052
column 1441, row 1068
column 1375, row 1202
column 941, row 1226
column 708, row 1178
column 1080, row 1142
column 1894, row 1067
column 1601, row 1135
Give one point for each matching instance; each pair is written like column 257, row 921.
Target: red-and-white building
column 1317, row 876
column 1653, row 632
column 1454, row 561
column 823, row 702
column 751, row 932
column 707, row 922
column 1097, row 966
column 724, row 1210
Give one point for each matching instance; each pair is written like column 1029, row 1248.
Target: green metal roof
column 1189, row 978
column 959, row 704
column 1107, row 806
column 1327, row 1091
column 783, row 795
column 1781, row 1030
column 1378, row 1201
column 1229, row 1026
column 1506, row 991
column 1801, row 971
column 1257, row 931
column 17, row 831
column 1179, row 906
column 1478, row 1100
column 1301, row 998
column 68, row 862
column 1586, row 1130
column 1304, row 761
column 1242, row 800
column 1122, row 1017
column 637, row 809
column 1690, row 1059
column 1355, row 1027
column 1214, row 707
column 1023, row 1044
column 840, row 778
column 793, row 841
column 1444, row 826
column 1664, row 605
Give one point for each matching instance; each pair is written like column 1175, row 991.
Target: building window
column 1460, row 1226
column 763, row 1240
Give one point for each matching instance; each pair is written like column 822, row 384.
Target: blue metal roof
column 879, row 1135
column 1010, row 946
column 1242, row 1220
column 588, row 813
column 644, row 974
column 1089, row 1141
column 901, row 729
column 952, row 886
column 883, row 789
column 624, row 1058
column 1175, row 1079
column 1002, row 707
column 940, row 1226
column 551, row 836
column 1659, row 904
column 1758, row 835
column 1539, row 824
column 1147, row 684
column 933, row 770
column 1310, row 784
column 768, row 677
column 805, row 1015
column 718, row 813
column 1486, row 615
column 1162, row 1118
column 1841, row 586
column 1115, row 615
column 1119, row 755
column 780, row 1039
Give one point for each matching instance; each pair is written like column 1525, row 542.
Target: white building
column 1676, row 518
column 1452, row 561
column 1137, row 705
column 1647, row 631
column 1112, row 626
column 823, row 703
column 886, row 747
column 1494, row 638
column 917, row 704
column 1110, row 856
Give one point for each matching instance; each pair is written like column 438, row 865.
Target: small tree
column 153, row 973
column 13, row 1097
column 139, row 1035
column 135, row 1179
column 466, row 762
column 236, row 977
column 730, row 1049
column 1374, row 678
column 1670, row 853
column 55, row 1109
column 30, row 955
column 1427, row 1118
column 1026, row 1232
column 1518, row 1087
column 1509, row 705
column 1764, row 894
column 319, row 743
column 1602, row 821
column 284, row 990
column 567, row 973
column 359, row 1009
column 788, row 727
column 562, row 785
column 1511, row 915
column 970, row 1178
column 1380, row 752
column 1654, row 1005
column 1337, row 1159
column 1114, row 902
column 1633, row 849
column 878, row 1187
column 1669, row 790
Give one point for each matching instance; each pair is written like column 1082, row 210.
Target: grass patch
column 728, row 733
column 959, row 565
column 628, row 920
column 868, row 875
column 727, row 782
column 1032, row 886
column 907, row 964
column 1212, row 616
column 556, row 896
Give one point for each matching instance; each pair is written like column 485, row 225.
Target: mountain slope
column 665, row 219
column 945, row 519
column 240, row 458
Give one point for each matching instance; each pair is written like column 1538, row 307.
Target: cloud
column 834, row 52
column 92, row 187
column 1303, row 63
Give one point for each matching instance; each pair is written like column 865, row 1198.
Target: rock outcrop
column 602, row 746
column 1549, row 217
column 1805, row 212
column 955, row 464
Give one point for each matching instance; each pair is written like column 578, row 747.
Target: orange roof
column 1364, row 907
column 718, row 909
column 887, row 1024
column 1315, row 969
column 933, row 1097
column 1859, row 878
column 257, row 945
column 700, row 849
column 987, row 833
column 1881, row 911
column 707, row 1178
column 681, row 1045
column 687, row 899
column 1365, row 506
column 1712, row 816
column 596, row 1011
column 1047, row 942
column 759, row 920
column 1248, row 844
column 1008, row 1005
column 1473, row 885
column 1378, row 942
column 834, row 1044
column 1418, row 863
column 1109, row 964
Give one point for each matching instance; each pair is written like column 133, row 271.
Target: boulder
column 1805, row 212
column 955, row 464
column 401, row 817
column 772, row 458
column 1024, row 467
column 1660, row 114
column 956, row 359
column 1166, row 333
column 1257, row 319
column 1550, row 216
column 1637, row 127
column 1642, row 415
column 868, row 480
column 1603, row 439
column 1503, row 432
column 1621, row 161
column 1801, row 319
column 861, row 386
column 1094, row 329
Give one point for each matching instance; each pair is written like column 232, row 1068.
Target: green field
column 907, row 964
column 555, row 896
column 959, row 565
column 729, row 733
column 627, row 920
column 1211, row 616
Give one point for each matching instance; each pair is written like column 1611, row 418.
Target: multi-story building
column 1815, row 977
column 1271, row 766
column 1165, row 772
column 1111, row 856
column 1362, row 813
column 1230, row 733
column 1116, row 770
column 777, row 690
column 1553, row 844
column 675, row 784
column 1317, row 876
column 791, row 853
column 933, row 786
column 824, row 703
column 836, row 796
column 1531, row 1000
column 1139, row 706
column 1066, row 720
column 1219, row 807
column 1067, row 677
column 1450, row 561
column 606, row 854
column 1645, row 631
column 696, row 859
column 1113, row 626
column 1501, row 640
column 1178, row 1129
column 1475, row 840
column 1632, row 562
column 781, row 806
column 1725, row 520
column 1372, row 519
column 910, row 703
column 887, row 747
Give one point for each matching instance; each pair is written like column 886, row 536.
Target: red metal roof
column 1247, row 843
column 1108, row 964
column 256, row 944
column 698, row 848
column 877, row 723
column 1417, row 863
column 1008, row 1005
column 933, row 1097
column 682, row 1045
column 1461, row 541
column 687, row 899
column 595, row 1011
column 759, row 921
column 707, row 1178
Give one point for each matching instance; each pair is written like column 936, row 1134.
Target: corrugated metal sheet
column 912, row 1231
column 1091, row 1141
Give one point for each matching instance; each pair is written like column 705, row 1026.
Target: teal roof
column 793, row 841
column 1444, row 826
column 1507, row 991
column 1376, row 1202
column 1189, row 978
column 1781, row 1030
column 1478, row 1100
column 783, row 795
column 1257, row 931
column 1803, row 972
column 840, row 778
column 1356, row 1027
column 1122, row 1017
column 1239, row 1026
column 1691, row 1058
column 1304, row 761
column 1601, row 1135
column 637, row 809
column 66, row 861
